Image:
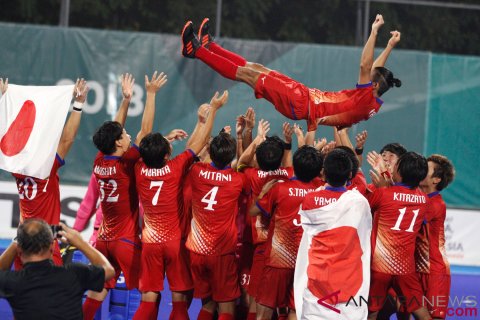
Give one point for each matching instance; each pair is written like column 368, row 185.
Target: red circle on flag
column 19, row 131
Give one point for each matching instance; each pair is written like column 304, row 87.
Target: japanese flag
column 31, row 123
column 332, row 273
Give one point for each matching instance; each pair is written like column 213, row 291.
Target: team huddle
column 224, row 219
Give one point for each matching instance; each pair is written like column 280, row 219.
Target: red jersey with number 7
column 161, row 193
column 40, row 198
column 398, row 214
column 215, row 195
column 118, row 195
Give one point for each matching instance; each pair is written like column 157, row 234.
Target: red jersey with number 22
column 118, row 195
column 398, row 213
column 215, row 195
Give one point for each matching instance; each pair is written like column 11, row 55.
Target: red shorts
column 291, row 98
column 245, row 257
column 215, row 276
column 275, row 289
column 56, row 257
column 257, row 269
column 407, row 287
column 170, row 257
column 436, row 288
column 124, row 255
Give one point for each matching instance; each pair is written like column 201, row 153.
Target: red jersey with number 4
column 430, row 255
column 161, row 194
column 281, row 204
column 118, row 194
column 40, row 198
column 398, row 213
column 215, row 195
column 257, row 179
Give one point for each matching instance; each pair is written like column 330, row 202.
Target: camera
column 55, row 229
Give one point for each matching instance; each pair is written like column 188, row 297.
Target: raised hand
column 80, row 90
column 176, row 134
column 227, row 129
column 127, row 85
column 202, row 112
column 379, row 180
column 153, row 85
column 377, row 23
column 240, row 125
column 3, row 85
column 328, row 147
column 287, row 132
column 360, row 139
column 263, row 128
column 320, row 143
column 218, row 101
column 377, row 162
column 250, row 119
column 395, row 38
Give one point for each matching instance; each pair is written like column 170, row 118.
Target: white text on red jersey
column 155, row 172
column 298, row 192
column 105, row 171
column 405, row 197
column 278, row 172
column 216, row 176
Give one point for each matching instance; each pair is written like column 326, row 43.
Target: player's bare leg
column 226, row 310
column 258, row 67
column 208, row 308
column 180, row 302
column 292, row 315
column 422, row 314
column 248, row 75
column 264, row 312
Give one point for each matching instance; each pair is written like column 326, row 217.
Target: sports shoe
column 190, row 42
column 204, row 33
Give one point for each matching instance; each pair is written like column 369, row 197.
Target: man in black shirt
column 42, row 290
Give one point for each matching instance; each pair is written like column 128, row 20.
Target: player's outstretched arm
column 383, row 57
column 249, row 125
column 215, row 104
column 247, row 156
column 127, row 90
column 239, row 129
column 254, row 209
column 287, row 160
column 70, row 129
column 152, row 86
column 360, row 140
column 202, row 115
column 366, row 61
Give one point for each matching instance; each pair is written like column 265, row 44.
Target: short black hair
column 385, row 80
column 34, row 236
column 106, row 136
column 413, row 168
column 395, row 148
column 270, row 153
column 307, row 163
column 443, row 169
column 222, row 150
column 337, row 167
column 353, row 158
column 153, row 149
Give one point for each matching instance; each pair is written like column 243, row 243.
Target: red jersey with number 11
column 215, row 195
column 398, row 213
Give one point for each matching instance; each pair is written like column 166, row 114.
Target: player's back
column 118, row 197
column 436, row 214
column 398, row 213
column 215, row 194
column 40, row 198
column 161, row 193
column 282, row 203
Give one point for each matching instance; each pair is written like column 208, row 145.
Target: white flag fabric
column 332, row 273
column 31, row 123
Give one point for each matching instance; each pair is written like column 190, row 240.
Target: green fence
column 435, row 110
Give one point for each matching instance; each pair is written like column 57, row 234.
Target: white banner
column 462, row 236
column 70, row 198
